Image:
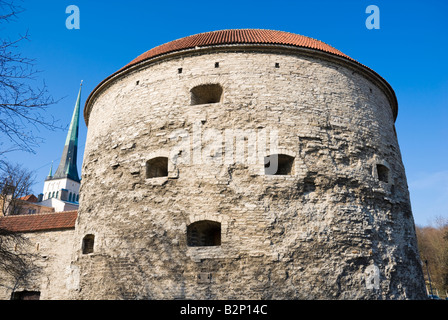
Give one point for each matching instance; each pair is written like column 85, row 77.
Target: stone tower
column 244, row 164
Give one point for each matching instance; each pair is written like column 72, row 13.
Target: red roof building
column 39, row 222
column 29, row 198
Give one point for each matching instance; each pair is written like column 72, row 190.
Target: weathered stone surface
column 322, row 232
column 337, row 225
column 48, row 271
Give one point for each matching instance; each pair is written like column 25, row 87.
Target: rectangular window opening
column 25, row 295
column 279, row 164
column 383, row 173
column 204, row 233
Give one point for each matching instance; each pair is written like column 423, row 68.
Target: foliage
column 433, row 247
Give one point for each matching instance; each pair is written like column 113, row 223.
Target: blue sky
column 409, row 51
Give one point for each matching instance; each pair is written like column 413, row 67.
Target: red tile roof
column 29, row 198
column 238, row 36
column 39, row 222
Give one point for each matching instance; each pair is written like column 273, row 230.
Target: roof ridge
column 38, row 214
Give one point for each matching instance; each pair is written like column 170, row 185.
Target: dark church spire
column 67, row 167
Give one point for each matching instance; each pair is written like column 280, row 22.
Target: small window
column 207, row 93
column 277, row 65
column 204, row 233
column 216, row 64
column 87, row 244
column 179, row 70
column 25, row 295
column 278, row 164
column 157, row 167
column 383, row 173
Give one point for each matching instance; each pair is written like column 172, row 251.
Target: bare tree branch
column 15, row 183
column 16, row 262
column 8, row 10
column 14, row 259
column 23, row 104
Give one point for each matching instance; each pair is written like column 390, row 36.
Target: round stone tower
column 244, row 164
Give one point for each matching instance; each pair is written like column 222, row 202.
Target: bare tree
column 15, row 183
column 23, row 113
column 22, row 102
column 23, row 106
column 16, row 263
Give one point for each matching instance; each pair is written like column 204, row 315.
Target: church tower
column 61, row 190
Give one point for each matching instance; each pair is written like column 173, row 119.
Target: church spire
column 50, row 174
column 67, row 167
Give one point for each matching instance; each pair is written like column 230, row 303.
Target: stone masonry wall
column 49, row 268
column 330, row 230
